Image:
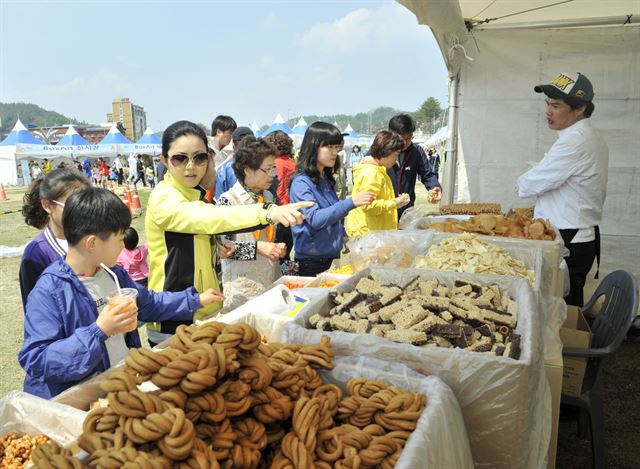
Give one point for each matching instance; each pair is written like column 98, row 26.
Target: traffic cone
column 3, row 194
column 125, row 201
column 135, row 201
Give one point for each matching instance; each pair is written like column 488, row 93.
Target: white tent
column 496, row 51
column 9, row 147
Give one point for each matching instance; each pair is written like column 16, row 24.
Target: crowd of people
column 248, row 214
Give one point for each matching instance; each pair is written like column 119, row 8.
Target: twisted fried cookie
column 270, row 405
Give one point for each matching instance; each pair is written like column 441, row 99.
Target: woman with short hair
column 257, row 255
column 371, row 176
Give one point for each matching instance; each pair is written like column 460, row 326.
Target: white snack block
column 25, row 413
column 440, row 439
column 505, row 402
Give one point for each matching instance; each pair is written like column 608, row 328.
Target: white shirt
column 118, row 163
column 570, row 183
column 133, row 168
column 220, row 155
column 100, row 286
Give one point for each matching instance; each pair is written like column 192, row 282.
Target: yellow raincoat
column 382, row 213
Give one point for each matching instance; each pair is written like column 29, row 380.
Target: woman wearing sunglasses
column 179, row 222
column 257, row 256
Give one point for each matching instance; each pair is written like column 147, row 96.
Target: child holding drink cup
column 80, row 317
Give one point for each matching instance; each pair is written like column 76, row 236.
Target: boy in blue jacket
column 70, row 332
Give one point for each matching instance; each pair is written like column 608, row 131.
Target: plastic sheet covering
column 506, row 404
column 410, row 216
column 10, row 251
column 440, row 440
column 556, row 310
column 388, row 248
column 24, row 413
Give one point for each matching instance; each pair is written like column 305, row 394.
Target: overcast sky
column 196, row 59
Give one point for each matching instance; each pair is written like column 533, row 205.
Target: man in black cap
column 226, row 178
column 570, row 183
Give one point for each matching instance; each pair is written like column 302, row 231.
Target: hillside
column 362, row 122
column 30, row 114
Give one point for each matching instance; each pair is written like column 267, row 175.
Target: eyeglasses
column 58, row 203
column 200, row 159
column 271, row 172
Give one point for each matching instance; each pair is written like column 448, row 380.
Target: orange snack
column 293, row 285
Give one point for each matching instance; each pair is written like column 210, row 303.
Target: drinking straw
column 112, row 273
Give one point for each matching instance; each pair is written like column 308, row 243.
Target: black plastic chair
column 618, row 311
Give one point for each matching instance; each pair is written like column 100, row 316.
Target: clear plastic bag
column 506, row 403
column 440, row 440
column 24, row 413
column 388, row 248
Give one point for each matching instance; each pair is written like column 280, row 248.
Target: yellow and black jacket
column 179, row 225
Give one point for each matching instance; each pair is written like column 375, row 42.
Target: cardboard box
column 575, row 332
column 553, row 369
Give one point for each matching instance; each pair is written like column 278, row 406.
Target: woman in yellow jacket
column 179, row 223
column 371, row 176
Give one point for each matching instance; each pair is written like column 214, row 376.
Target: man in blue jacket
column 71, row 331
column 412, row 162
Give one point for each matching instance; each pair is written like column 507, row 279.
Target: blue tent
column 20, row 134
column 351, row 134
column 301, row 127
column 72, row 137
column 149, row 138
column 256, row 130
column 279, row 124
column 114, row 137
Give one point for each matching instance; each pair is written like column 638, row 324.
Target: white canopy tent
column 496, row 51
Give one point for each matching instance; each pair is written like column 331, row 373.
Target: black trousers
column 311, row 267
column 284, row 235
column 120, row 174
column 580, row 261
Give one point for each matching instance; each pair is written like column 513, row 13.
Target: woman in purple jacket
column 42, row 208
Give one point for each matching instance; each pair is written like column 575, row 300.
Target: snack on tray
column 470, row 209
column 227, row 399
column 468, row 253
column 293, row 285
column 15, row 450
column 498, row 225
column 345, row 269
column 426, row 313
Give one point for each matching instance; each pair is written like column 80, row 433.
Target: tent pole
column 564, row 23
column 451, row 151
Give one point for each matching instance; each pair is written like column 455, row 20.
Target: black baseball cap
column 568, row 85
column 240, row 133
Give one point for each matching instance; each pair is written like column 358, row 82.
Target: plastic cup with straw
column 121, row 295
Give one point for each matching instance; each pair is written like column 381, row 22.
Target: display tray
column 505, row 402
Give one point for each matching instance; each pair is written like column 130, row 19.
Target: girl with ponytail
column 42, row 208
